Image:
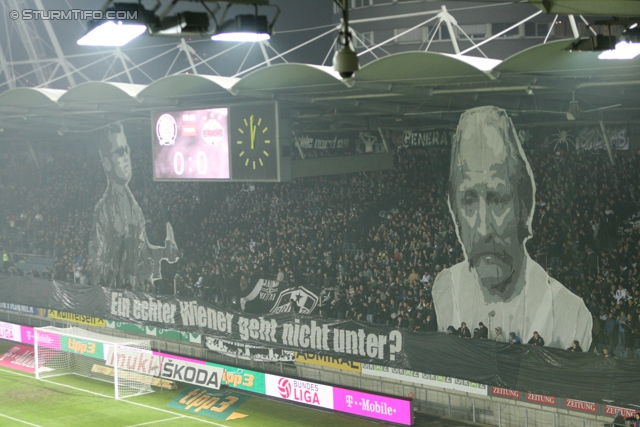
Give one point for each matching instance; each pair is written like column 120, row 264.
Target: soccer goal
column 128, row 364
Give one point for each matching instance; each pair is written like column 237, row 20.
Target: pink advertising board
column 9, row 331
column 48, row 340
column 26, row 334
column 373, row 406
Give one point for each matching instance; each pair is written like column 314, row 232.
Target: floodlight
column 244, row 28
column 125, row 22
column 628, row 47
column 183, row 24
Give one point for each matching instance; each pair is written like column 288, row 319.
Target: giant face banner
column 119, row 252
column 491, row 199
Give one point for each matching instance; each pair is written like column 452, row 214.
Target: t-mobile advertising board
column 363, row 404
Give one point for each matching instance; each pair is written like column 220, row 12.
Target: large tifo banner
column 540, row 370
column 271, row 296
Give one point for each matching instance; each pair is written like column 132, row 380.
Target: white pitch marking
column 159, row 421
column 111, row 397
column 20, row 421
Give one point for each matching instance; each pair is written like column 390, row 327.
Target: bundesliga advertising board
column 353, row 402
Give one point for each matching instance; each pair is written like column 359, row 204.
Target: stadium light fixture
column 124, row 22
column 628, row 46
column 245, row 28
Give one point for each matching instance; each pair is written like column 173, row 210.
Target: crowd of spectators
column 373, row 242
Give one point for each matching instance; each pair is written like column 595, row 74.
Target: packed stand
column 373, row 241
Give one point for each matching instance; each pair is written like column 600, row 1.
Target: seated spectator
column 476, row 334
column 451, row 330
column 575, row 347
column 499, row 335
column 484, row 332
column 536, row 339
column 463, row 331
column 514, row 339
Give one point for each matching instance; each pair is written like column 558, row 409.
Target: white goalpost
column 128, row 364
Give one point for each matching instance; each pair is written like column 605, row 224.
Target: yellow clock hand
column 253, row 132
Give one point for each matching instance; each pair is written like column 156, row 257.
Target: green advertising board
column 81, row 346
column 127, row 327
column 165, row 334
column 243, row 379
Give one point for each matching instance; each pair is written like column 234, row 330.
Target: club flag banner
column 221, row 405
column 271, row 296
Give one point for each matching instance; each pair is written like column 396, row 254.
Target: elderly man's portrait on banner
column 491, row 198
column 120, row 254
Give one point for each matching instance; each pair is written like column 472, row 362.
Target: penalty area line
column 158, row 421
column 178, row 415
column 20, row 421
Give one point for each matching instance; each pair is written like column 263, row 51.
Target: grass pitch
column 73, row 401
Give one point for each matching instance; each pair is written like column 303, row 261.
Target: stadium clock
column 253, row 141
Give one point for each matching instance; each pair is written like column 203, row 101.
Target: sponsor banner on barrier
column 165, row 334
column 26, row 334
column 144, row 362
column 19, row 357
column 505, row 392
column 48, row 340
column 220, row 405
column 77, row 318
column 170, row 367
column 541, row 398
column 126, row 327
column 580, row 405
column 83, row 347
column 192, row 338
column 191, row 372
column 328, row 361
column 20, row 308
column 243, row 379
column 299, row 391
column 11, row 332
column 369, row 405
column 425, row 379
column 615, row 410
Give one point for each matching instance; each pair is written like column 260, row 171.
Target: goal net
column 128, row 364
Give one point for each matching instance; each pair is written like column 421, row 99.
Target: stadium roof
column 534, row 85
